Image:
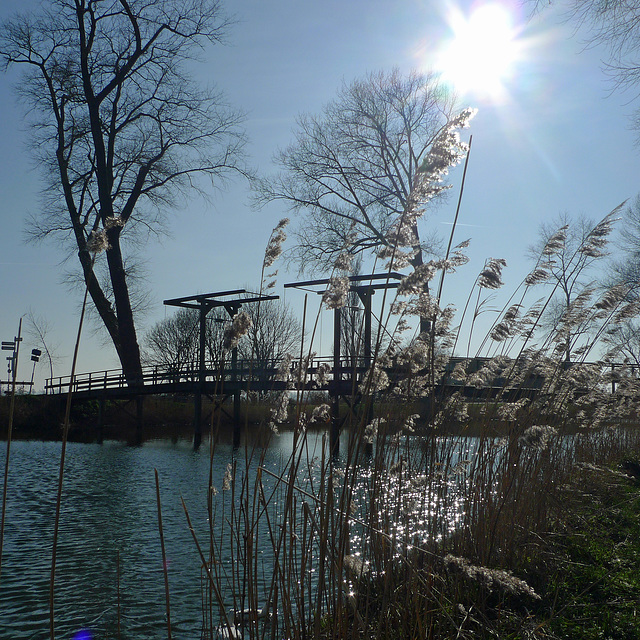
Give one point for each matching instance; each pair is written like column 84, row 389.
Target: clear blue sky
column 557, row 140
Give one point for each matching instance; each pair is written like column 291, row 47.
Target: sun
column 482, row 54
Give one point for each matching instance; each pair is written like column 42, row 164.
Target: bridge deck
column 317, row 374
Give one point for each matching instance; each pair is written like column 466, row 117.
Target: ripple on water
column 109, row 510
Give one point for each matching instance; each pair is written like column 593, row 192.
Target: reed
column 427, row 525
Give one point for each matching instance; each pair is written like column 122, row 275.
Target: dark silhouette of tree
column 274, row 333
column 354, row 170
column 120, row 130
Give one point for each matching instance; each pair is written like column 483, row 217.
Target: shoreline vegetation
column 563, row 548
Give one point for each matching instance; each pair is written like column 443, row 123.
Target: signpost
column 12, row 367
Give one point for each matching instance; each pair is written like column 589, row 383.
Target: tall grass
column 419, row 527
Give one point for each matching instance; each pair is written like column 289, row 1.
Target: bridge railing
column 244, row 371
column 253, row 371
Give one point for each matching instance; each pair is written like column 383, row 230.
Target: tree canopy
column 120, row 129
column 352, row 171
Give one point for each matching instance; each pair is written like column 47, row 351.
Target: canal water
column 109, row 568
column 109, row 510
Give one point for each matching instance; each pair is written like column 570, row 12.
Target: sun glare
column 482, row 53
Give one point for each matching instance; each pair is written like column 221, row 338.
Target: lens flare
column 83, row 634
column 483, row 51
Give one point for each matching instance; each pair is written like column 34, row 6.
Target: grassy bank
column 583, row 569
column 594, row 552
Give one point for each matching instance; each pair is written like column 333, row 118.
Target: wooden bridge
column 333, row 374
column 339, row 378
column 213, row 380
column 317, row 373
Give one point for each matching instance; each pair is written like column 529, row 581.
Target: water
column 109, row 509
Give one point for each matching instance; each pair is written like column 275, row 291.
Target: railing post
column 235, row 378
column 365, row 296
column 197, row 399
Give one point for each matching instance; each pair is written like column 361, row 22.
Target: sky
column 551, row 137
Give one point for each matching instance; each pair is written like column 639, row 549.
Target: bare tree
column 174, row 341
column 275, row 332
column 38, row 327
column 567, row 251
column 623, row 340
column 120, row 129
column 627, row 269
column 352, row 171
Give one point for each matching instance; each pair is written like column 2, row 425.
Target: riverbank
column 40, row 417
column 583, row 572
column 588, row 565
column 164, row 417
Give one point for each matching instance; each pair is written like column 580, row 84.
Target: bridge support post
column 101, row 420
column 334, row 439
column 139, row 419
column 365, row 298
column 236, row 398
column 197, row 398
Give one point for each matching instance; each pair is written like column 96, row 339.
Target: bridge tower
column 364, row 286
column 204, row 303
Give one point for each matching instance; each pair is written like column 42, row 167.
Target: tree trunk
column 127, row 345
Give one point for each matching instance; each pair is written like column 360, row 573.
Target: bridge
column 339, row 377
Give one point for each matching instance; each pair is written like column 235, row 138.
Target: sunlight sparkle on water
column 481, row 56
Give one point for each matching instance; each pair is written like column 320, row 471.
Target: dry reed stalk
column 9, row 436
column 65, row 435
column 165, row 568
